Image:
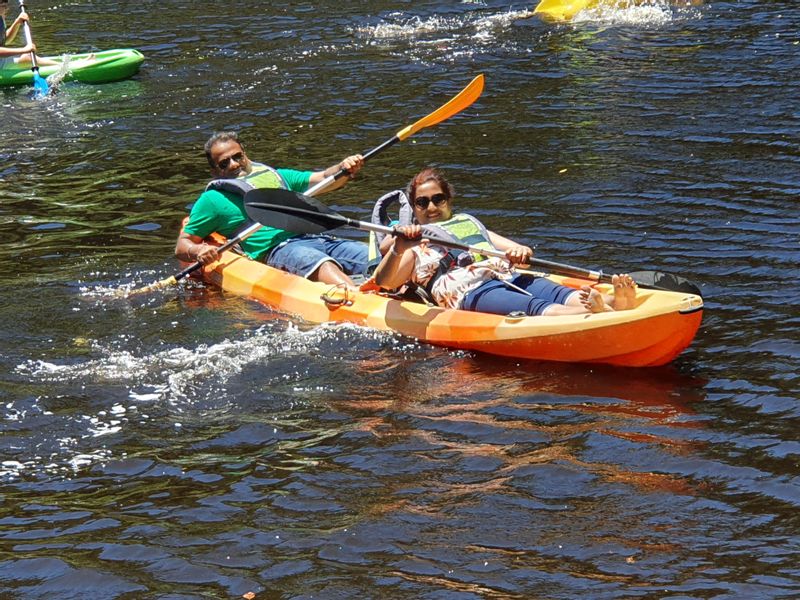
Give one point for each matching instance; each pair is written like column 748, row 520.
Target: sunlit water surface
column 193, row 444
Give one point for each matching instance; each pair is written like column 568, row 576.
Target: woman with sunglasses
column 479, row 283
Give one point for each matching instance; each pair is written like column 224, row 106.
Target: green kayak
column 109, row 65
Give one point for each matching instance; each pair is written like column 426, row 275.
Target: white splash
column 639, row 13
column 409, row 27
column 178, row 375
column 56, row 78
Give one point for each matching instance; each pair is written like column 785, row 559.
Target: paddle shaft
column 333, row 220
column 28, row 39
column 538, row 262
column 300, row 214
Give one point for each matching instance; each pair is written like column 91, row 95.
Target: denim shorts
column 304, row 254
column 497, row 298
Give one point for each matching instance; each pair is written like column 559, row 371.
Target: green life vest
column 261, row 177
column 461, row 228
column 2, row 32
column 464, row 229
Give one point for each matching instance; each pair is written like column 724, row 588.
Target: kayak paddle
column 40, row 87
column 300, row 214
column 455, row 105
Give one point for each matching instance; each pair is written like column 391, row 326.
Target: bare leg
column 86, row 61
column 25, row 59
column 328, row 272
column 556, row 310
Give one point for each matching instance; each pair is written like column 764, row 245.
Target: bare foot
column 619, row 300
column 86, row 61
column 592, row 300
column 629, row 290
column 624, row 297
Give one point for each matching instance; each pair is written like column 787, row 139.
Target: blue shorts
column 304, row 254
column 497, row 298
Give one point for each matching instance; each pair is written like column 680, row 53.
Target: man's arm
column 352, row 164
column 191, row 248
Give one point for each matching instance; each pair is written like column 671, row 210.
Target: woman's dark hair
column 429, row 174
column 217, row 138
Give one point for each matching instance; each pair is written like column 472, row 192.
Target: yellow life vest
column 464, row 229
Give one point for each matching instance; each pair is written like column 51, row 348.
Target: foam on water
column 177, row 383
column 399, row 26
column 175, row 375
column 406, row 27
column 638, row 13
column 56, row 78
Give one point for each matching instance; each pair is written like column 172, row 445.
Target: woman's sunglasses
column 225, row 162
column 422, row 202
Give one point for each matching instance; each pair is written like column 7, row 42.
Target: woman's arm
column 386, row 244
column 17, row 51
column 397, row 266
column 516, row 253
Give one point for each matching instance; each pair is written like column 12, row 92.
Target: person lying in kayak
column 221, row 208
column 479, row 283
column 18, row 54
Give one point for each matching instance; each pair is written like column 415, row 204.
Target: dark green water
column 193, row 444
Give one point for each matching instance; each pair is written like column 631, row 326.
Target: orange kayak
column 662, row 325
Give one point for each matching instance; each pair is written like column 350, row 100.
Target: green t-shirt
column 224, row 213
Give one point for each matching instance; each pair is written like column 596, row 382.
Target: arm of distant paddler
column 11, row 32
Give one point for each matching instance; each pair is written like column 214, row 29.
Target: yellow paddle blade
column 458, row 103
column 561, row 10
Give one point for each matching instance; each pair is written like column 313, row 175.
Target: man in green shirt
column 221, row 208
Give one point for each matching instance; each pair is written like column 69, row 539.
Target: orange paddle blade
column 458, row 103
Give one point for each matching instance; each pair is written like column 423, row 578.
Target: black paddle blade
column 665, row 281
column 290, row 211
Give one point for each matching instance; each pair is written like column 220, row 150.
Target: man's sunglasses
column 225, row 162
column 422, row 202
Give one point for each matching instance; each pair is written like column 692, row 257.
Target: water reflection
column 202, row 444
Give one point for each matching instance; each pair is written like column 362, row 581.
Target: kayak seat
column 393, row 208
